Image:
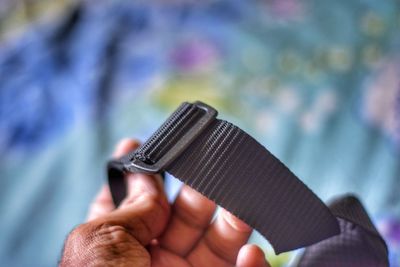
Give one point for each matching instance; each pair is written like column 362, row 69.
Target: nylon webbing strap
column 231, row 168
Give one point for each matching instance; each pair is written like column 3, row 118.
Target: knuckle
column 95, row 245
column 111, row 234
column 147, row 201
column 139, row 197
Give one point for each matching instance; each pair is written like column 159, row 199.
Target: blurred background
column 316, row 82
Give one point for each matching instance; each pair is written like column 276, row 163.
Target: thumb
column 143, row 216
column 119, row 237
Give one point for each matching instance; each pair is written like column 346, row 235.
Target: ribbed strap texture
column 168, row 133
column 234, row 170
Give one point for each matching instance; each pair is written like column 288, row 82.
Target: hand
column 145, row 231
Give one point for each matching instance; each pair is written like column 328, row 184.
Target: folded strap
column 228, row 166
column 358, row 244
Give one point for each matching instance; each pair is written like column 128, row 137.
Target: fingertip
column 101, row 205
column 142, row 186
column 251, row 256
column 125, row 146
column 104, row 194
column 235, row 222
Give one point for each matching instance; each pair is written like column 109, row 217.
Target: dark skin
column 145, row 230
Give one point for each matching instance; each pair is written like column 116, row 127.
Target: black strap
column 228, row 166
column 231, row 168
column 358, row 244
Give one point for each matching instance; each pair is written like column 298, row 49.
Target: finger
column 221, row 243
column 251, row 256
column 139, row 185
column 191, row 215
column 119, row 237
column 125, row 146
column 164, row 258
column 144, row 191
column 103, row 203
column 144, row 218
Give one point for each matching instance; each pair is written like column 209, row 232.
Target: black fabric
column 234, row 170
column 231, row 168
column 358, row 245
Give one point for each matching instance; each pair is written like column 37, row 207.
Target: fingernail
column 235, row 222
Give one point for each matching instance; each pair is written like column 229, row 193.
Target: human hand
column 146, row 231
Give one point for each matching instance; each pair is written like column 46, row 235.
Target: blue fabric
column 315, row 82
